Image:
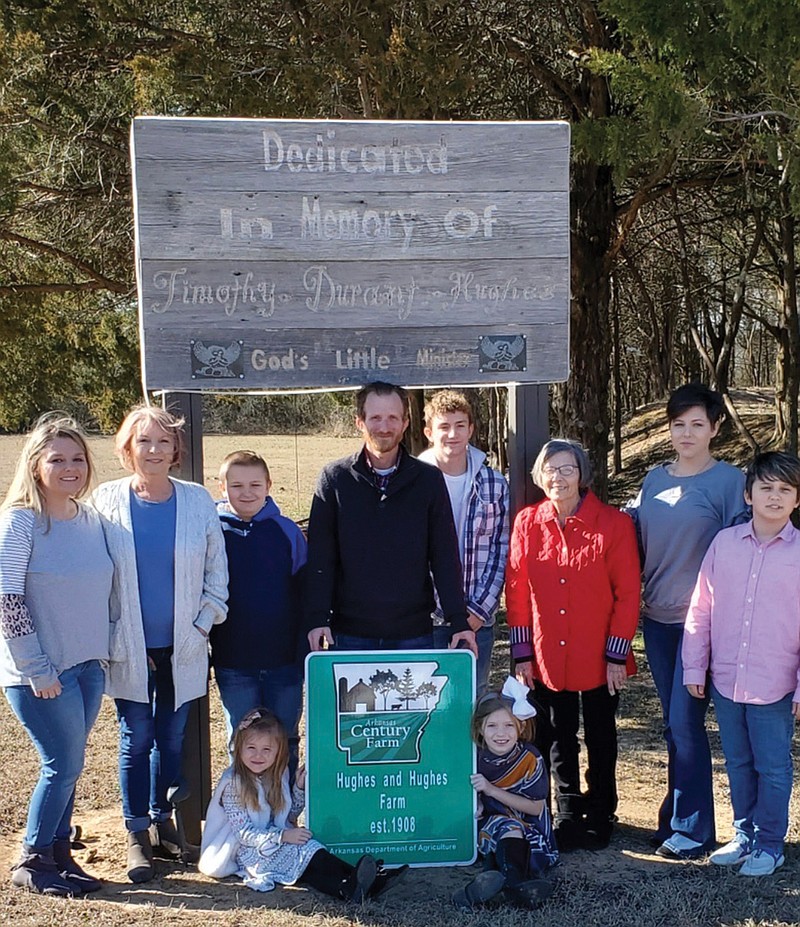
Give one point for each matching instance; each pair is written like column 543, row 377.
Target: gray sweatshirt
column 55, row 585
column 676, row 520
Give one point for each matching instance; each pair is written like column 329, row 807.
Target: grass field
column 623, row 886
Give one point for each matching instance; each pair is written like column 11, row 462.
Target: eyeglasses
column 564, row 470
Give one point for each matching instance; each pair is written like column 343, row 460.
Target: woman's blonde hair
column 260, row 721
column 151, row 415
column 25, row 490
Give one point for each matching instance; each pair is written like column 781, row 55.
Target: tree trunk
column 581, row 404
column 787, row 361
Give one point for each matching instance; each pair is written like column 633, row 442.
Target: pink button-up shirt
column 744, row 618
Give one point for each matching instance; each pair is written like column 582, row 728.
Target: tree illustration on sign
column 407, row 687
column 427, row 690
column 383, row 682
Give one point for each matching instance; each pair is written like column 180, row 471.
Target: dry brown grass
column 623, row 886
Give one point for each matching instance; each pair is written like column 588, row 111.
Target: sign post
column 389, row 755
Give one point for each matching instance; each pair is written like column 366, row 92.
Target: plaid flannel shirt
column 484, row 545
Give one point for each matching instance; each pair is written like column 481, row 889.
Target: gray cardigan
column 201, row 591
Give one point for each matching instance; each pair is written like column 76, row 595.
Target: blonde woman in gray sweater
column 55, row 582
column 170, row 588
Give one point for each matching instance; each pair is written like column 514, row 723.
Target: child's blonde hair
column 153, row 415
column 242, row 458
column 260, row 721
column 25, row 490
column 490, row 703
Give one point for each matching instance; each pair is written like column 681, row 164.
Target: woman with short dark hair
column 682, row 505
column 572, row 594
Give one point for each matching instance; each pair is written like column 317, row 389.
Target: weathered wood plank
column 255, row 154
column 352, row 294
column 385, row 226
column 222, row 358
column 303, row 254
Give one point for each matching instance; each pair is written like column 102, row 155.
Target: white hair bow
column 518, row 693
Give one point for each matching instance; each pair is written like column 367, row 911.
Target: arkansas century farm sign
column 389, row 755
column 293, row 254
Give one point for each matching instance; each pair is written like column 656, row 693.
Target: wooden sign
column 296, row 254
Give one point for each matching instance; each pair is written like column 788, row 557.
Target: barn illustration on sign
column 381, row 716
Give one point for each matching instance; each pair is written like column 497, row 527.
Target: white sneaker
column 733, row 853
column 761, row 863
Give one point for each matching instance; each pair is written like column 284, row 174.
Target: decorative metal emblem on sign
column 502, row 352
column 214, row 361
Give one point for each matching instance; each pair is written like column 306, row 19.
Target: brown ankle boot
column 70, row 871
column 140, row 856
column 37, row 872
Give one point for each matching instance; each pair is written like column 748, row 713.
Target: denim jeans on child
column 280, row 689
column 151, row 745
column 688, row 807
column 58, row 728
column 757, row 743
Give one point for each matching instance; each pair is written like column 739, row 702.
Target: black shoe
column 597, row 836
column 140, row 856
column 485, row 886
column 165, row 840
column 386, row 879
column 359, row 883
column 70, row 871
column 37, row 872
column 570, row 834
column 528, row 895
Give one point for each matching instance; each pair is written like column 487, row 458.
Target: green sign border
column 389, row 755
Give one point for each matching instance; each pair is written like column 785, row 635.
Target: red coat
column 568, row 590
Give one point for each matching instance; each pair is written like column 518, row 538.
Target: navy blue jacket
column 266, row 558
column 373, row 556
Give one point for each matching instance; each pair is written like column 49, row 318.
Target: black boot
column 70, row 871
column 513, row 855
column 485, row 886
column 386, row 879
column 37, row 872
column 333, row 876
column 140, row 856
column 165, row 840
column 361, row 880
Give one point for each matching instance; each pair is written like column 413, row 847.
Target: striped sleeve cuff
column 617, row 649
column 521, row 644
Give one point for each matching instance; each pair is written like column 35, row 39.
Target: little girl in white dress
column 251, row 828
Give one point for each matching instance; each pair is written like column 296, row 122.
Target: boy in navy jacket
column 257, row 655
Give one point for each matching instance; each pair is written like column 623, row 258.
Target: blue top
column 266, row 557
column 154, row 539
column 677, row 518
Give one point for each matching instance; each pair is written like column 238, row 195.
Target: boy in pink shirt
column 743, row 628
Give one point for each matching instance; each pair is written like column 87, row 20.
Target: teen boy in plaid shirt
column 479, row 499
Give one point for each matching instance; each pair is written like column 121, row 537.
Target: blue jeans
column 354, row 642
column 150, row 746
column 688, row 807
column 757, row 743
column 58, row 728
column 484, row 637
column 280, row 689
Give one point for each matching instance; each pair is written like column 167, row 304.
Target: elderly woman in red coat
column 572, row 593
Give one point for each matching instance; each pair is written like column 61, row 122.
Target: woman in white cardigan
column 170, row 587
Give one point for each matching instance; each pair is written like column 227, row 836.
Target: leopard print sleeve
column 15, row 619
